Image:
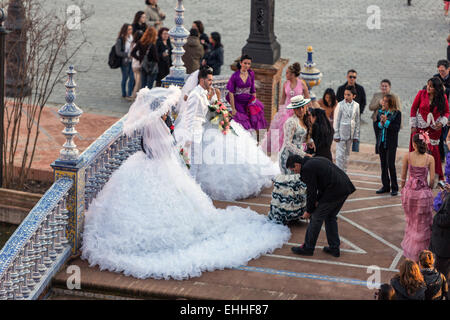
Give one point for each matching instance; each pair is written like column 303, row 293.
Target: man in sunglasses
column 360, row 93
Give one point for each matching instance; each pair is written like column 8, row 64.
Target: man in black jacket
column 360, row 93
column 327, row 189
column 443, row 74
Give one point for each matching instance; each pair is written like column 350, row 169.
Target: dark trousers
column 147, row 79
column 387, row 159
column 442, row 143
column 325, row 212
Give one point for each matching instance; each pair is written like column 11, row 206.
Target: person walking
column 327, row 189
column 446, row 7
column 136, row 64
column 360, row 95
column 214, row 56
column 417, row 198
column 329, row 103
column 429, row 113
column 376, row 104
column 437, row 286
column 154, row 14
column 123, row 50
column 139, row 22
column 247, row 109
column 293, row 86
column 389, row 120
column 145, row 51
column 164, row 48
column 322, row 133
column 194, row 52
column 409, row 283
column 346, row 126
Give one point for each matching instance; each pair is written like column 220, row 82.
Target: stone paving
column 405, row 49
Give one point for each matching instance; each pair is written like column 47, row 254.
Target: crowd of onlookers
column 145, row 50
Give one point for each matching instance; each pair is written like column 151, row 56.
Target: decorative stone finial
column 178, row 35
column 70, row 116
column 311, row 74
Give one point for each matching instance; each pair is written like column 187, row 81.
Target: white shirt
column 197, row 109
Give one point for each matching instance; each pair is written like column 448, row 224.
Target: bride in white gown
column 232, row 166
column 152, row 219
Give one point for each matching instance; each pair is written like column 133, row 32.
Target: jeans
column 147, row 79
column 127, row 75
column 325, row 212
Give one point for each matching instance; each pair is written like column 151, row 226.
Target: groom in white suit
column 197, row 104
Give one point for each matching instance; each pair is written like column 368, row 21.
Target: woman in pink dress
column 417, row 198
column 294, row 86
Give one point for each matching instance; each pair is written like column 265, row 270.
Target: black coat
column 139, row 51
column 437, row 286
column 402, row 294
column 164, row 63
column 440, row 231
column 360, row 95
column 391, row 132
column 325, row 182
column 214, row 59
column 141, row 27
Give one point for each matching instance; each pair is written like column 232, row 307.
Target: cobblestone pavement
column 405, row 49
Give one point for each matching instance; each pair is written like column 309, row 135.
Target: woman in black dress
column 322, row 133
column 164, row 48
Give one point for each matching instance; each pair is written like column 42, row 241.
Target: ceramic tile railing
column 37, row 248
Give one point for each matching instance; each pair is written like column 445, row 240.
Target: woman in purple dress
column 247, row 110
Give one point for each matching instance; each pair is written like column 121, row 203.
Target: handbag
column 151, row 67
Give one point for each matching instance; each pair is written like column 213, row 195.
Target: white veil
column 145, row 114
column 183, row 123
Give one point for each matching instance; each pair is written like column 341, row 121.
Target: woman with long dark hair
column 164, row 48
column 145, row 51
column 214, row 57
column 322, row 133
column 329, row 103
column 429, row 113
column 247, row 110
column 123, row 49
column 417, row 197
column 139, row 22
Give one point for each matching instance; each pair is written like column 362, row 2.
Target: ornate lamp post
column 70, row 116
column 178, row 36
column 3, row 33
column 262, row 44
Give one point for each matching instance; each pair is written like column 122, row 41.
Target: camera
column 441, row 184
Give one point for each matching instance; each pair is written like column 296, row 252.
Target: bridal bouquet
column 185, row 157
column 221, row 117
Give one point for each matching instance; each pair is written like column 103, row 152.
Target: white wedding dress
column 232, row 166
column 151, row 219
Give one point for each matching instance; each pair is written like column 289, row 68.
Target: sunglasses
column 352, row 77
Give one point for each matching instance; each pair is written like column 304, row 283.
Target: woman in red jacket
column 429, row 113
